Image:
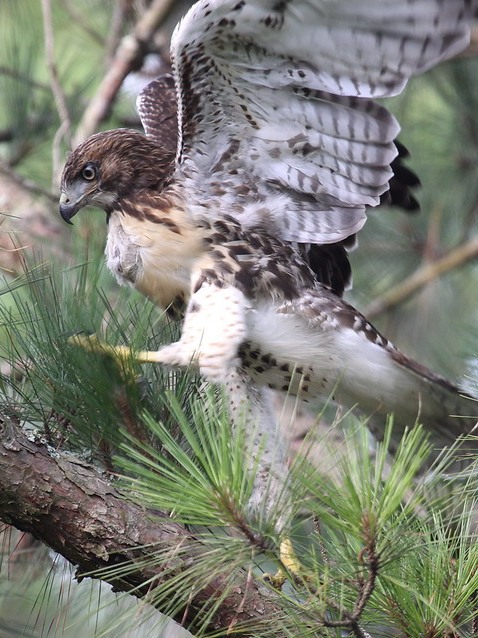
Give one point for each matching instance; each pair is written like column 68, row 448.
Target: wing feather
column 158, row 111
column 276, row 101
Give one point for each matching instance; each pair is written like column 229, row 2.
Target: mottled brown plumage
column 247, row 222
column 124, row 164
column 154, row 246
column 157, row 107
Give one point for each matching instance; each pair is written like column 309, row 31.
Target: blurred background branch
column 424, row 275
column 64, row 131
column 128, row 56
column 28, row 185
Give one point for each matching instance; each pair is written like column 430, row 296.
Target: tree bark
column 69, row 505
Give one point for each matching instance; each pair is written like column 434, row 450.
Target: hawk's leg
column 251, row 407
column 290, row 564
column 213, row 329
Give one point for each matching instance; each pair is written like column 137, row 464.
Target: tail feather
column 319, row 348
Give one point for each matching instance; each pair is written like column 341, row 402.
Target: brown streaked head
column 109, row 166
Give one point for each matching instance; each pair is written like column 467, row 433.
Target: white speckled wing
column 277, row 120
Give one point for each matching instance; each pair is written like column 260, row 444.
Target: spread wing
column 157, row 107
column 277, row 121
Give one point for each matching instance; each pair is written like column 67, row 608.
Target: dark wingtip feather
column 331, row 265
column 402, row 184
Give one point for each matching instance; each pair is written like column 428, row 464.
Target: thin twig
column 320, row 540
column 240, row 609
column 120, row 13
column 256, row 539
column 370, row 559
column 422, row 276
column 56, row 151
column 371, row 562
column 58, row 93
column 131, row 49
column 358, row 631
column 134, row 426
column 79, row 19
column 13, row 73
column 474, row 618
column 27, row 184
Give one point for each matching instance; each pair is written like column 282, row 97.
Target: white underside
column 357, row 371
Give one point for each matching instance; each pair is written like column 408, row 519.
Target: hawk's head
column 109, row 166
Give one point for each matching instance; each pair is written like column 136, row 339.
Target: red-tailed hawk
column 241, row 217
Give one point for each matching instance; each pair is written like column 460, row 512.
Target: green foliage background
column 62, row 295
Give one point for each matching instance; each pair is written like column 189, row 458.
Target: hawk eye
column 89, row 172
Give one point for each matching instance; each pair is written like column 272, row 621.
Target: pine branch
column 64, row 131
column 422, row 276
column 69, row 505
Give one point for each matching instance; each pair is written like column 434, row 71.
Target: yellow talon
column 91, row 343
column 288, row 557
column 290, row 565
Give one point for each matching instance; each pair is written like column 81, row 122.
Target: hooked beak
column 68, row 207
